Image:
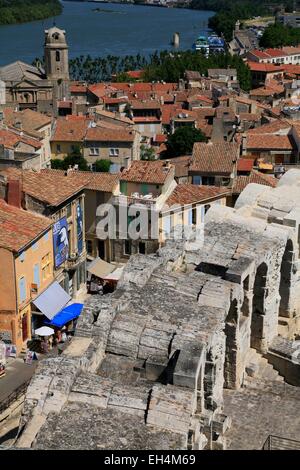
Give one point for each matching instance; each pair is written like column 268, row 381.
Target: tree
column 278, row 35
column 182, row 141
column 147, row 153
column 74, row 158
column 102, row 166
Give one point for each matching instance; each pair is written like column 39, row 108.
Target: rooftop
column 257, row 177
column 185, row 194
column 19, row 227
column 147, row 172
column 270, row 141
column 214, row 158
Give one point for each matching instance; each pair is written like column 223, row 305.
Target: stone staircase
column 259, row 369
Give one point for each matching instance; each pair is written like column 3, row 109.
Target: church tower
column 56, row 55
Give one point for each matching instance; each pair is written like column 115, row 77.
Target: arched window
column 57, row 56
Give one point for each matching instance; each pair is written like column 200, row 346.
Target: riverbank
column 23, row 11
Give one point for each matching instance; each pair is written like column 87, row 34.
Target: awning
column 100, row 268
column 52, row 300
column 115, row 275
column 69, row 313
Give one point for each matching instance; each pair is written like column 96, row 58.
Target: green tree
column 102, row 166
column 147, row 153
column 182, row 141
column 20, row 11
column 74, row 158
column 278, row 35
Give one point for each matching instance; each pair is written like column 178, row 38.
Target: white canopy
column 44, row 331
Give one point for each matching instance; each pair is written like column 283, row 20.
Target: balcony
column 74, row 260
column 148, row 200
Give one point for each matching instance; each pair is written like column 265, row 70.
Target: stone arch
column 230, row 364
column 286, row 279
column 258, row 305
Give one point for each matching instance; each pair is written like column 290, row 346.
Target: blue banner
column 60, row 242
column 79, row 229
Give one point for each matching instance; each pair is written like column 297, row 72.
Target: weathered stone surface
column 148, row 365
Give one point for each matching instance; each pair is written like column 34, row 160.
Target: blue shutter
column 144, row 189
column 36, row 275
column 167, row 224
column 202, row 213
column 190, row 217
column 22, row 289
column 197, row 179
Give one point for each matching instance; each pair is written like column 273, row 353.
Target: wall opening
column 230, row 365
column 285, row 279
column 259, row 295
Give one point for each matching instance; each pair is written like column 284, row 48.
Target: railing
column 280, row 443
column 14, row 396
column 128, row 200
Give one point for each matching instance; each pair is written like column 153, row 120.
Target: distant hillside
column 22, row 11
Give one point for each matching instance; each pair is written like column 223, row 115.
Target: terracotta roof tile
column 147, row 104
column 190, row 193
column 147, row 172
column 245, row 164
column 255, row 177
column 31, row 120
column 258, row 67
column 10, row 139
column 269, row 142
column 19, row 227
column 271, row 128
column 53, row 187
column 214, row 158
column 109, row 135
column 70, row 130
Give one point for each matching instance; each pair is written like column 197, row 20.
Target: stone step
column 259, row 367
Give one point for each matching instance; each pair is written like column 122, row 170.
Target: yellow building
column 26, row 253
column 68, row 135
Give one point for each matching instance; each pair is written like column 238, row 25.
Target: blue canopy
column 67, row 314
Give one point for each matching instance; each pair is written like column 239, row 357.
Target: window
column 113, row 152
column 58, row 148
column 208, row 180
column 206, row 208
column 46, row 266
column 127, row 247
column 94, row 151
column 114, row 168
column 123, row 187
column 36, row 274
column 22, row 289
column 190, row 217
column 89, row 247
column 69, row 210
column 142, row 248
column 197, row 179
column 194, row 216
column 57, row 56
column 167, row 224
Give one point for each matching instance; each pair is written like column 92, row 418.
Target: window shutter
column 22, row 289
column 36, row 275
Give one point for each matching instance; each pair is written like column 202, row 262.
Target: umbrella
column 44, row 331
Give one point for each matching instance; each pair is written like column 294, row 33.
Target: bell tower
column 56, row 54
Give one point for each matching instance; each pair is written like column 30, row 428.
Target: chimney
column 14, row 193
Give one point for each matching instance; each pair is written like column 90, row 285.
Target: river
column 118, row 29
